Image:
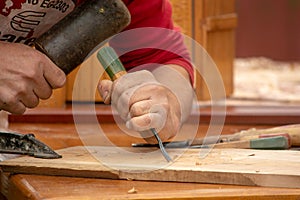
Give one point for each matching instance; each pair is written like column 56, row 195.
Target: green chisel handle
column 115, row 69
column 111, row 63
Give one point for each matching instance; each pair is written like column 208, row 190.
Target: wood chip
column 198, row 163
column 132, row 191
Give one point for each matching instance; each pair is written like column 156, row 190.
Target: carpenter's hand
column 26, row 76
column 144, row 103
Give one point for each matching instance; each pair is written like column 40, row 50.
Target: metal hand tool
column 275, row 143
column 25, row 144
column 115, row 69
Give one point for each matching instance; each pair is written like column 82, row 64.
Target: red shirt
column 168, row 43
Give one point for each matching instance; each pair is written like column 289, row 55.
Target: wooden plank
column 222, row 166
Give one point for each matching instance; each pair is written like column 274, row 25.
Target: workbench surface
column 59, row 136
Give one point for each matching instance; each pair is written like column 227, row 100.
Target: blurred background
column 268, row 28
column 254, row 43
column 267, row 50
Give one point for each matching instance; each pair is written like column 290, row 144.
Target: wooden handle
column 278, row 142
column 69, row 42
column 292, row 130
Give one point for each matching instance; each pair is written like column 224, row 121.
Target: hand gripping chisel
column 115, row 69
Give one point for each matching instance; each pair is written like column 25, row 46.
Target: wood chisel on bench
column 115, row 69
column 275, row 143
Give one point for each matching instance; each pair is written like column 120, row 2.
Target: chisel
column 265, row 141
column 115, row 69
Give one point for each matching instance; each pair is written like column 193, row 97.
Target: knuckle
column 160, row 89
column 20, row 91
column 39, row 57
column 134, row 110
column 33, row 73
column 146, row 74
column 10, row 101
column 146, row 120
column 13, row 106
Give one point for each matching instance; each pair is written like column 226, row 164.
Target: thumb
column 105, row 89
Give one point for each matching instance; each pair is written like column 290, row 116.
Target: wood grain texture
column 218, row 42
column 28, row 186
column 69, row 188
column 183, row 18
column 264, row 114
column 222, row 166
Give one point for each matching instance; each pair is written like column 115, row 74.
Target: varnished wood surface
column 65, row 188
column 64, row 135
column 280, row 114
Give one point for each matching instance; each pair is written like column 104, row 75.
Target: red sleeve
column 151, row 37
column 77, row 2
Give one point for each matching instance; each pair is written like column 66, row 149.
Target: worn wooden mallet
column 72, row 39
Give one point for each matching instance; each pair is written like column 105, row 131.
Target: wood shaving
column 132, row 191
column 198, row 163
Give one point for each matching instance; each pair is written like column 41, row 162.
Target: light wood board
column 222, row 166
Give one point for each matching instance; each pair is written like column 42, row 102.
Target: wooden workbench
column 63, row 135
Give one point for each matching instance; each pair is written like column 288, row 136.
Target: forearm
column 177, row 79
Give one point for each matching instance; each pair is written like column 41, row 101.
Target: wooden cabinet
column 211, row 23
